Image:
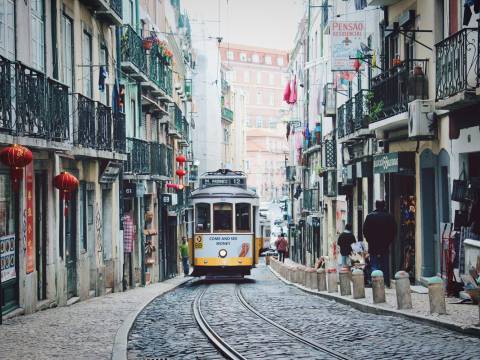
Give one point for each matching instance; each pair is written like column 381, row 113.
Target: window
column 131, row 13
column 246, row 76
column 242, row 217
column 255, row 58
column 271, row 100
column 271, row 78
column 202, row 218
column 268, row 60
column 259, row 77
column 104, row 62
column 259, row 98
column 38, row 29
column 247, row 164
column 280, row 61
column 259, row 122
column 87, row 64
column 7, row 29
column 272, row 123
column 222, row 217
column 243, row 56
column 230, row 55
column 67, row 48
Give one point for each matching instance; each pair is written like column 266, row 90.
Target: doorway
column 41, row 215
column 70, row 226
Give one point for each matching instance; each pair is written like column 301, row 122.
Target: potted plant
column 396, row 61
column 147, row 43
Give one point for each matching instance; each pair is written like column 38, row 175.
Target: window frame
column 223, row 231
column 209, row 230
column 249, row 230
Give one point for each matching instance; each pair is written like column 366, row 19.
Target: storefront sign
column 346, row 38
column 7, row 257
column 29, row 251
column 110, row 173
column 393, row 162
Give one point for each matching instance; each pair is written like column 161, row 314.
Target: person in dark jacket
column 345, row 241
column 379, row 229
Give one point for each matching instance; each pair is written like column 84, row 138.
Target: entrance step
column 73, row 300
column 46, row 304
column 14, row 313
column 108, row 291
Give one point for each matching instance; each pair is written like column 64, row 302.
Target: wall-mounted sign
column 129, row 190
column 166, row 199
column 110, row 172
column 393, row 162
column 346, row 38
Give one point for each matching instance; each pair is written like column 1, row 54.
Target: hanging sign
column 110, row 172
column 346, row 37
column 393, row 162
column 7, row 257
column 30, row 241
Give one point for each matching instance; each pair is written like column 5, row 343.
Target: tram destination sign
column 233, row 181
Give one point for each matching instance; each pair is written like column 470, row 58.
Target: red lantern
column 66, row 183
column 181, row 173
column 16, row 157
column 357, row 65
column 181, row 158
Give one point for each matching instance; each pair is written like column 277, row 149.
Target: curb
column 119, row 350
column 371, row 309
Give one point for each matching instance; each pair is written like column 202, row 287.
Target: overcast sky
column 264, row 23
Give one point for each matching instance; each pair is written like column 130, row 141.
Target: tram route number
column 198, row 242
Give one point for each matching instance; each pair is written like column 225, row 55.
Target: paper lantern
column 16, row 157
column 181, row 173
column 66, row 183
column 181, row 159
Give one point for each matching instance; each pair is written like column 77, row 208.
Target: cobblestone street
column 166, row 329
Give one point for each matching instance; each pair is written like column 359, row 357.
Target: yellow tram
column 225, row 238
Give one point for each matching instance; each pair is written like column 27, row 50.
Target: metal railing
column 341, row 121
column 104, row 127
column 6, row 122
column 457, row 63
column 330, row 153
column 361, row 109
column 119, row 132
column 159, row 70
column 132, row 48
column 349, row 116
column 116, row 6
column 138, row 156
column 311, row 199
column 396, row 87
column 169, row 161
column 86, row 132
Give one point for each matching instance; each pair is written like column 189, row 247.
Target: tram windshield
column 222, row 217
column 242, row 219
column 202, row 212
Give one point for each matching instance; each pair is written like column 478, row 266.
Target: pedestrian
column 128, row 239
column 345, row 241
column 282, row 245
column 184, row 255
column 379, row 229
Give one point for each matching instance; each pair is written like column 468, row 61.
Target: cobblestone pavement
column 166, row 329
column 85, row 330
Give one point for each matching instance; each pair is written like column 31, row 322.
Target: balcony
column 184, row 140
column 169, row 162
column 396, row 87
column 119, row 135
column 138, row 157
column 158, row 159
column 160, row 74
column 95, row 128
column 109, row 11
column 227, row 114
column 175, row 128
column 329, row 101
column 134, row 58
column 362, row 110
column 330, row 153
column 457, row 66
column 311, row 200
column 6, row 123
column 341, row 121
column 349, row 116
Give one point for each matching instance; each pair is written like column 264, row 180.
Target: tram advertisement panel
column 229, row 247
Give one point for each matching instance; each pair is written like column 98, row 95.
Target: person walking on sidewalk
column 379, row 230
column 184, row 255
column 282, row 246
column 345, row 241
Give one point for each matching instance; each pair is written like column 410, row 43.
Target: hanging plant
column 374, row 108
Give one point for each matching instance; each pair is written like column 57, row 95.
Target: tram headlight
column 222, row 253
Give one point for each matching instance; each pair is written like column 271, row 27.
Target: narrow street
column 344, row 332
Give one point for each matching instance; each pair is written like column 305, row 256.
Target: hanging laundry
column 307, row 133
column 115, row 98
column 286, row 92
column 467, row 14
column 288, row 130
column 293, row 93
column 101, row 78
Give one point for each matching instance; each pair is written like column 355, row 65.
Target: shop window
column 222, row 217
column 242, row 217
column 202, row 218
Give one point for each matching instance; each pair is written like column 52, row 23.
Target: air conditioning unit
column 421, row 118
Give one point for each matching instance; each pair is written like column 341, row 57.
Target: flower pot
column 147, row 44
column 396, row 62
column 417, row 71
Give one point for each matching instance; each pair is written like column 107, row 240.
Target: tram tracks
column 230, row 352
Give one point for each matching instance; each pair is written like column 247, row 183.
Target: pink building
column 261, row 73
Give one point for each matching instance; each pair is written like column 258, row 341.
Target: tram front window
column 202, row 214
column 222, row 217
column 242, row 220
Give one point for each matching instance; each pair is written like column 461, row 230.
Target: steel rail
column 300, row 338
column 212, row 336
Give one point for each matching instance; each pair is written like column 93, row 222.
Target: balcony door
column 7, row 29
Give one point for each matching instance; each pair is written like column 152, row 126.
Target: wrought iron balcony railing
column 119, row 132
column 6, row 122
column 132, row 49
column 349, row 116
column 341, row 121
column 116, row 6
column 159, row 71
column 169, row 159
column 155, row 158
column 104, row 127
column 138, row 156
column 330, row 153
column 457, row 63
column 86, row 129
column 361, row 109
column 178, row 120
column 396, row 87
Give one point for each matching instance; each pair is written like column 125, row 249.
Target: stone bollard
column 321, row 280
column 267, row 260
column 378, row 287
column 436, row 295
column 344, row 277
column 303, row 276
column 358, row 281
column 332, row 280
column 402, row 288
column 313, row 279
column 307, row 278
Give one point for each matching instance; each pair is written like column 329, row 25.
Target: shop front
column 397, row 169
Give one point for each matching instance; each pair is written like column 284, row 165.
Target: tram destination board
column 233, row 181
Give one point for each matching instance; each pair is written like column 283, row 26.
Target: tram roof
column 224, row 191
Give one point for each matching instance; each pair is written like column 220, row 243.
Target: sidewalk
column 85, row 330
column 459, row 317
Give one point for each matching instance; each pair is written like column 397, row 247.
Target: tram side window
column 222, row 217
column 242, row 217
column 202, row 212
